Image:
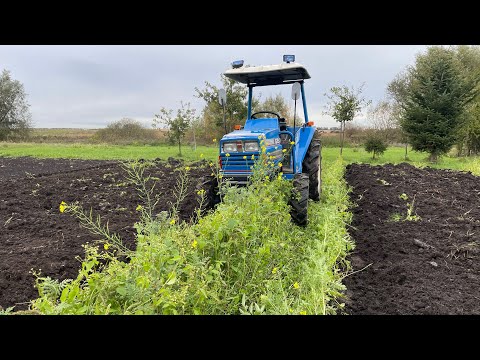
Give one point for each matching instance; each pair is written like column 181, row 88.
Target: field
column 36, row 236
column 419, row 265
column 398, row 266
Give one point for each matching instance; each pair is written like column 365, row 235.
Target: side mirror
column 222, row 97
column 296, row 91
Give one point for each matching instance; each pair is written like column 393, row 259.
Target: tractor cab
column 293, row 149
column 284, row 144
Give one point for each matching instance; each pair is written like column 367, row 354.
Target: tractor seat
column 282, row 123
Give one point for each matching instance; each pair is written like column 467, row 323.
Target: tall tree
column 178, row 125
column 344, row 105
column 436, row 96
column 15, row 118
column 468, row 135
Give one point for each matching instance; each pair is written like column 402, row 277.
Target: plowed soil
column 428, row 266
column 35, row 235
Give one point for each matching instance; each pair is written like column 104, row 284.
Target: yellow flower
column 106, row 246
column 187, row 168
column 139, row 208
column 210, row 164
column 253, row 157
column 227, row 154
column 295, row 285
column 244, row 157
column 267, row 177
column 280, row 164
column 274, row 270
column 270, row 157
column 220, row 176
column 284, row 150
column 259, row 137
column 201, row 155
column 303, row 313
column 63, row 206
column 194, row 244
column 172, row 222
column 292, row 142
column 201, row 192
column 214, row 140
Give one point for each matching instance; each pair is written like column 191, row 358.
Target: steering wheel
column 264, row 112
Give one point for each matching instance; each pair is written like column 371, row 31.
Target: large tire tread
column 299, row 199
column 312, row 165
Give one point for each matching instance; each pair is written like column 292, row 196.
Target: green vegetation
column 375, row 144
column 178, row 125
column 344, row 104
column 123, row 132
column 104, row 152
column 438, row 97
column 393, row 155
column 15, row 117
column 244, row 258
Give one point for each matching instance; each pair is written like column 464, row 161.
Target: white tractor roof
column 268, row 74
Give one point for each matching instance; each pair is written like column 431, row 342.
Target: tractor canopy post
column 304, row 101
column 250, row 93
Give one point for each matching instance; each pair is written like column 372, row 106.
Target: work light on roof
column 237, row 64
column 289, row 58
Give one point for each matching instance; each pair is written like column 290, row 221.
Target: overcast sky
column 80, row 86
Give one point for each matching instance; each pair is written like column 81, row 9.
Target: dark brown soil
column 35, row 235
column 430, row 266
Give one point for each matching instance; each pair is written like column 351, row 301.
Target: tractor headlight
column 251, row 146
column 229, row 147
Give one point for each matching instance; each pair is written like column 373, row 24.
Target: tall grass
column 244, row 258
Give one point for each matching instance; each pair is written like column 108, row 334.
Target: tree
column 437, row 94
column 177, row 126
column 15, row 118
column 236, row 108
column 375, row 143
column 276, row 104
column 344, row 105
column 385, row 119
column 468, row 135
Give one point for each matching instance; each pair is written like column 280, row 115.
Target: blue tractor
column 293, row 146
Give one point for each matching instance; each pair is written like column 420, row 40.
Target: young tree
column 344, row 105
column 15, row 118
column 436, row 96
column 375, row 143
column 177, row 126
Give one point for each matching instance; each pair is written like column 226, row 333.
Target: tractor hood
column 249, row 134
column 253, row 128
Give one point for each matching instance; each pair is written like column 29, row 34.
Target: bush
column 125, row 131
column 374, row 143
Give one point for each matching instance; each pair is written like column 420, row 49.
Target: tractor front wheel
column 299, row 199
column 312, row 165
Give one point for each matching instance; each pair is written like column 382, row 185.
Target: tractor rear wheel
column 299, row 199
column 212, row 197
column 312, row 165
